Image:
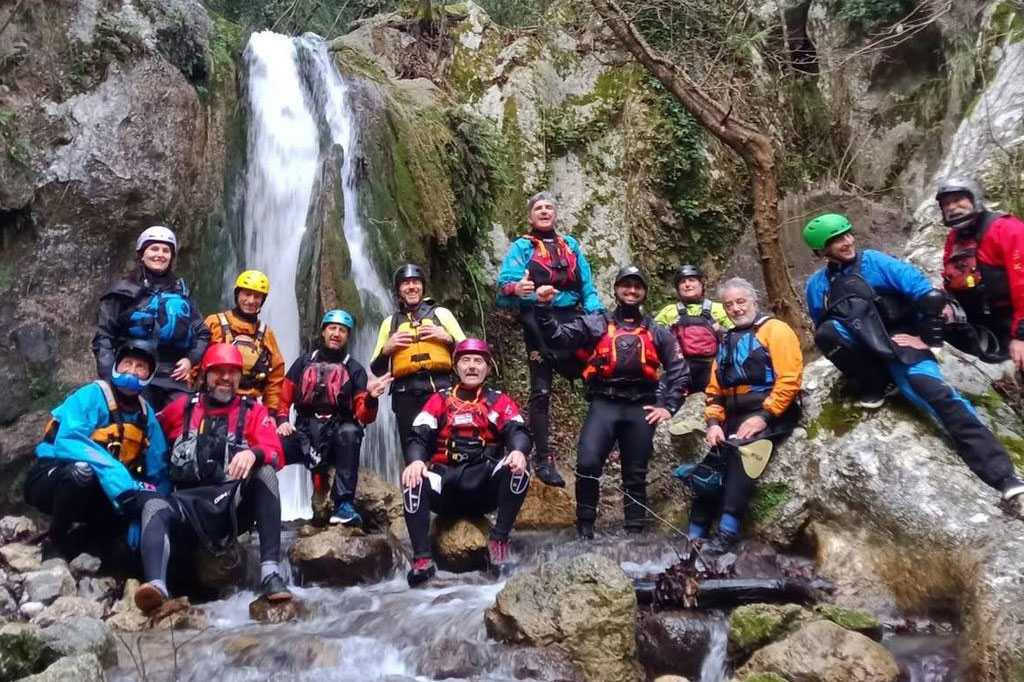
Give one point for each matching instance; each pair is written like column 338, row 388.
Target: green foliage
column 21, row 655
column 17, row 145
column 768, row 500
column 515, row 13
column 115, row 40
column 328, row 18
column 45, row 392
column 863, row 15
column 579, row 120
column 224, row 43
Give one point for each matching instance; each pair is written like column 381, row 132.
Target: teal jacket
column 514, row 265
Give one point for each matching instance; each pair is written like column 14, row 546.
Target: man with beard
column 752, row 396
column 983, row 270
column 538, row 258
column 415, row 346
column 877, row 318
column 466, row 457
column 635, row 379
column 224, row 465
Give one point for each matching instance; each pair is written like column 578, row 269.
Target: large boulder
column 673, row 642
column 66, row 607
column 460, row 544
column 339, row 558
column 22, row 651
column 21, row 557
column 585, row 605
column 380, row 504
column 546, row 507
column 824, row 652
column 81, row 635
column 49, row 582
column 266, row 611
column 81, row 668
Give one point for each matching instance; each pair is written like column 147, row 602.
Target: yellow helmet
column 253, row 280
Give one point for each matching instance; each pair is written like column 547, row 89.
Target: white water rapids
column 294, row 91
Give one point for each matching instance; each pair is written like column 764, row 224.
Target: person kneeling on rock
column 752, row 405
column 101, row 454
column 635, row 379
column 457, row 461
column 223, row 464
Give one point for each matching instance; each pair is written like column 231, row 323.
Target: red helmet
column 472, row 347
column 221, row 355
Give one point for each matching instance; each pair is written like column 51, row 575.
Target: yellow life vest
column 125, row 441
column 422, row 355
column 255, row 354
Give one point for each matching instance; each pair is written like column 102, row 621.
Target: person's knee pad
column 152, row 507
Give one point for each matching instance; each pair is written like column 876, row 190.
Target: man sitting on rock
column 467, row 456
column 752, row 396
column 223, row 464
column 102, row 451
column 876, row 319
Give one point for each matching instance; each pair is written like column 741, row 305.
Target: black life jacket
column 743, row 360
column 696, row 334
column 558, row 267
column 201, row 454
column 852, row 301
column 325, row 386
column 967, row 277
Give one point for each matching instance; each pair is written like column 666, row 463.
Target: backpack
column 255, row 354
column 165, row 317
column 696, row 334
column 198, row 457
column 322, row 384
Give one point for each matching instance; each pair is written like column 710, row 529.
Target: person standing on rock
column 263, row 373
column 983, row 271
column 415, row 346
column 151, row 302
column 752, row 396
column 697, row 323
column 223, row 464
column 102, row 449
column 333, row 403
column 538, row 258
column 466, row 457
column 877, row 319
column 635, row 378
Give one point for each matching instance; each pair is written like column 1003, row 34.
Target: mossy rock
column 857, row 620
column 755, row 625
column 22, row 653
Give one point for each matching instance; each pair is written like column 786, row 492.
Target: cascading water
column 293, row 87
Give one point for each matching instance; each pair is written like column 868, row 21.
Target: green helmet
column 825, row 227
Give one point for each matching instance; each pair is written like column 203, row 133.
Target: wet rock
column 8, row 604
column 544, row 665
column 460, row 544
column 83, row 668
column 81, row 635
column 585, row 605
column 456, row 658
column 22, row 558
column 546, row 507
column 101, row 589
column 824, row 652
column 857, row 620
column 37, row 345
column 16, row 529
column 84, row 564
column 672, row 641
column 174, row 614
column 298, row 653
column 49, row 582
column 379, row 502
column 755, row 625
column 68, row 607
column 31, row 609
column 335, row 557
column 266, row 611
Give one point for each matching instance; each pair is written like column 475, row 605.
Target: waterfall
column 294, row 89
column 715, row 665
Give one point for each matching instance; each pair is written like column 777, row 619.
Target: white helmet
column 157, row 233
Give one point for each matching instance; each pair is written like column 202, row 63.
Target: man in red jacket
column 983, row 270
column 223, row 465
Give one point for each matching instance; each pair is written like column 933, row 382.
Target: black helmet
column 408, row 271
column 631, row 271
column 962, row 186
column 143, row 348
column 688, row 271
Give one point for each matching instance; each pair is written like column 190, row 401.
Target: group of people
column 180, row 437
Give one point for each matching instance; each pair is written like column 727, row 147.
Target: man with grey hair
column 542, row 257
column 752, row 396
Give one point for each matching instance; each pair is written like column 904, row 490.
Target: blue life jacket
column 164, row 317
column 744, row 361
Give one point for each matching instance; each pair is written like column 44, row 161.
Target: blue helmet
column 338, row 316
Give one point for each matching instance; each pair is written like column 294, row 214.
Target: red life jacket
column 696, row 334
column 467, row 432
column 323, row 384
column 625, row 354
column 963, row 271
column 559, row 269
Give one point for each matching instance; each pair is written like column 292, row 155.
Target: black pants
column 466, row 490
column 338, row 443
column 609, row 422
column 700, row 375
column 408, row 397
column 737, row 486
column 164, row 519
column 922, row 384
column 82, row 519
column 543, row 363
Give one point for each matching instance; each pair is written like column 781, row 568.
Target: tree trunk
column 753, row 146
